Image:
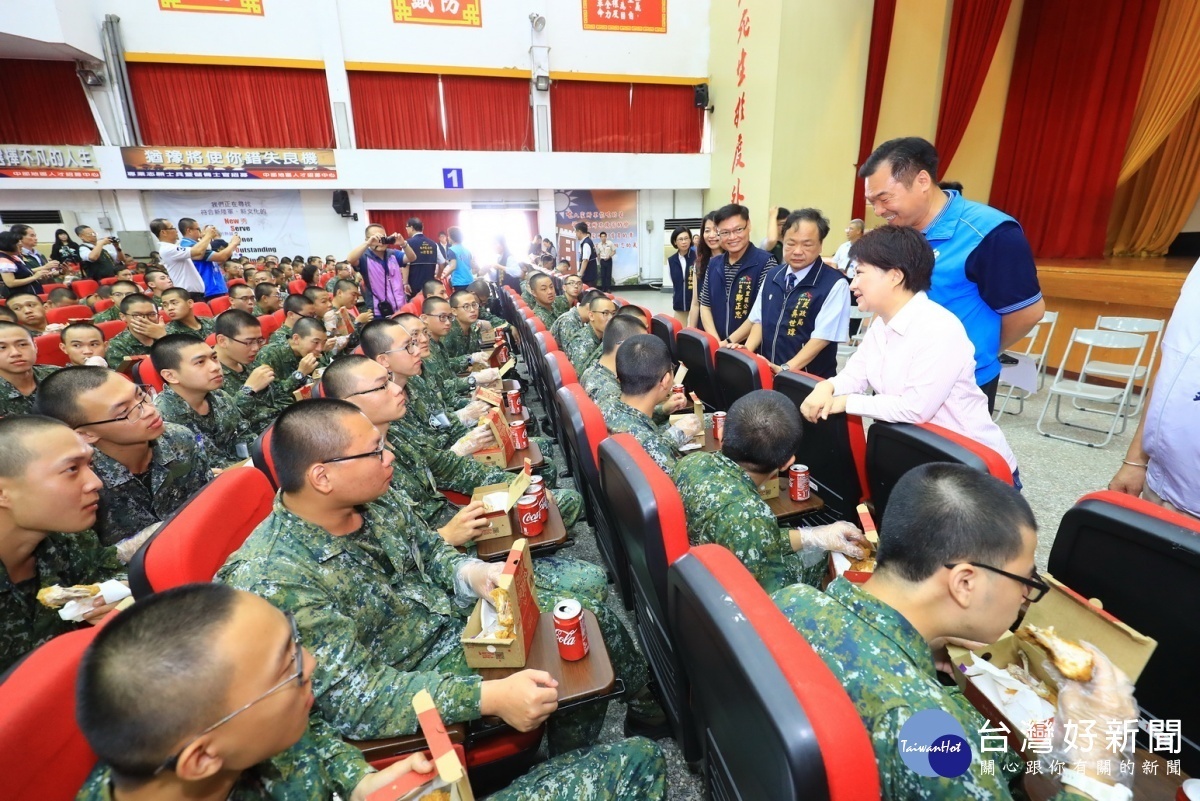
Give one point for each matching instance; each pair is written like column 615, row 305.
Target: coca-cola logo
column 529, row 518
column 566, row 636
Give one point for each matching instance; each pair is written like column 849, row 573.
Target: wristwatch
column 785, row 368
column 471, row 382
column 1097, row 789
column 247, row 391
column 298, row 376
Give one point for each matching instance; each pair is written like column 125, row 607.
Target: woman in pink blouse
column 916, row 357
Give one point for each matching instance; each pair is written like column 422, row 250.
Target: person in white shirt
column 918, row 359
column 607, row 251
column 841, row 256
column 177, row 259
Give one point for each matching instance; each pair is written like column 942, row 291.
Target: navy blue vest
column 590, row 264
column 788, row 319
column 730, row 309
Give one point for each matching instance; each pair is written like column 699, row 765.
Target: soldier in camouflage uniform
column 483, row 295
column 584, row 349
column 295, row 757
column 129, row 435
column 295, row 308
column 721, row 501
column 143, row 326
column 383, row 598
column 542, row 287
column 964, row 521
column 178, row 304
column 252, row 388
column 578, row 318
column 20, row 378
column 440, row 368
column 193, row 398
column 466, row 335
column 572, row 288
column 82, row 341
column 294, row 361
column 48, row 488
column 120, row 291
column 600, row 380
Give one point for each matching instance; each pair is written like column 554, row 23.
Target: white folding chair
column 1038, row 354
column 1104, row 369
column 1081, row 389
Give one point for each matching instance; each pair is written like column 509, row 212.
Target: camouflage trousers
column 630, row 769
column 550, row 470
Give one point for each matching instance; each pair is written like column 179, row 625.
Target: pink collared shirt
column 922, row 368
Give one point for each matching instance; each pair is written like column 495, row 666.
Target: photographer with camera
column 96, row 260
column 178, row 259
column 384, row 270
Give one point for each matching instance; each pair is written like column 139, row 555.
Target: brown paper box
column 503, row 521
column 448, row 760
column 500, row 454
column 517, row 580
column 769, row 489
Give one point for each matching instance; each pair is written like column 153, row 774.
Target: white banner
column 269, row 223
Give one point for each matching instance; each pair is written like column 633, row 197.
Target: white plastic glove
column 841, row 536
column 470, row 413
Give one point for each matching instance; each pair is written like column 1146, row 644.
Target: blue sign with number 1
column 452, row 178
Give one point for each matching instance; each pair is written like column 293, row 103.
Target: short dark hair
column 20, row 229
column 307, row 327
column 308, row 274
column 581, row 227
column 158, row 224
column 160, row 270
column 536, row 280
column 589, row 295
column 343, row 285
column 642, row 361
column 940, row 513
column 813, row 216
column 781, row 214
column 455, row 233
column 79, row 229
column 430, row 286
column 460, row 297
column 126, row 284
column 431, row 302
column 152, row 677
column 682, row 229
column 294, row 304
column 9, row 241
column 479, row 287
column 619, row 330
column 951, row 185
column 167, row 352
column 58, row 394
column 16, row 441
column 264, row 289
column 236, row 287
column 62, row 292
column 73, row 327
column 185, row 223
column 6, row 315
column 416, row 224
column 729, row 211
column 176, row 292
column 129, row 301
column 307, row 433
column 907, row 156
column 762, row 430
column 599, row 296
column 897, row 247
column 376, row 336
column 336, row 381
column 6, row 325
column 313, row 292
column 635, row 311
column 231, row 322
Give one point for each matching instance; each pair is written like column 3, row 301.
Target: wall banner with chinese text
column 631, row 16
column 228, row 162
column 254, row 7
column 269, row 223
column 615, row 212
column 48, row 161
column 438, row 12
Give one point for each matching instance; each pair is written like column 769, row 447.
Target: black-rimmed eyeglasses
column 137, row 411
column 378, row 454
column 1037, row 587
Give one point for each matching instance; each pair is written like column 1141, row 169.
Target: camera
column 389, row 240
column 116, row 240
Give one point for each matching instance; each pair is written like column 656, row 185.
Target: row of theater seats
column 1108, row 546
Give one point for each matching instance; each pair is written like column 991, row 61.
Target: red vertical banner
column 438, row 12
column 631, row 16
column 740, row 107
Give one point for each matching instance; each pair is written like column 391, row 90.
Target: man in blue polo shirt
column 733, row 278
column 209, row 267
column 984, row 273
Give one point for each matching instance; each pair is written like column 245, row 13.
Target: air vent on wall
column 31, row 217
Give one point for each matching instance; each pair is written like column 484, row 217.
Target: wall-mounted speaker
column 700, row 92
column 341, row 202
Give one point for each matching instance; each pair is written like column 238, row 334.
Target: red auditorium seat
column 111, row 328
column 84, row 287
column 65, row 314
column 218, row 305
column 104, row 304
column 201, row 309
column 740, row 372
column 109, row 281
column 143, row 372
column 269, row 325
column 697, row 350
column 666, row 328
column 48, row 350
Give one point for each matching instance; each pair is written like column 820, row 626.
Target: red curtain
column 394, row 220
column 396, row 111
column 591, row 117
column 52, row 108
column 877, row 58
column 487, row 113
column 1075, row 83
column 665, row 119
column 219, row 106
column 975, row 30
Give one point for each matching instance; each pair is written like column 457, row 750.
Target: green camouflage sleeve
column 342, row 763
column 440, row 559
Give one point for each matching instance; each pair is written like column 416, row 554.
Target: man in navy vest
column 429, row 256
column 587, row 254
column 984, row 271
column 803, row 308
column 733, row 278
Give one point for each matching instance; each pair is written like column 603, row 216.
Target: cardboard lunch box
column 1074, row 618
column 500, row 453
column 698, row 411
column 449, row 777
column 511, row 652
column 769, row 489
column 840, row 564
column 502, row 520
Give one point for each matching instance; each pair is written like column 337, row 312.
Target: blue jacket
column 683, row 280
column 730, row 309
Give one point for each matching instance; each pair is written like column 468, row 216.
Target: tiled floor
column 1055, row 475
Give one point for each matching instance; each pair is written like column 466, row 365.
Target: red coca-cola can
column 502, row 352
column 569, row 630
column 537, row 486
column 529, row 515
column 516, row 432
column 798, row 482
column 719, row 425
column 677, row 389
column 512, row 402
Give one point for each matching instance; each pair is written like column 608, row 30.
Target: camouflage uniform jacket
column 207, row 326
column 256, row 411
column 546, row 315
column 621, row 418
column 178, row 469
column 441, row 371
column 427, row 408
column 566, row 327
column 12, row 402
column 887, row 669
column 217, row 432
column 122, row 345
column 108, row 315
column 285, row 363
column 583, row 351
column 281, row 335
column 316, row 767
column 459, row 343
column 602, row 387
column 415, row 474
column 63, row 559
column 722, row 505
column 376, row 608
column 561, row 306
column 258, row 311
